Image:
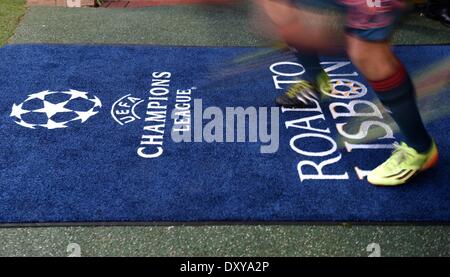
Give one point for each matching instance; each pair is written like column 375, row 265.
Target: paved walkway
column 152, row 3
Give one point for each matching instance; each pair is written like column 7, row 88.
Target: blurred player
column 368, row 26
column 438, row 10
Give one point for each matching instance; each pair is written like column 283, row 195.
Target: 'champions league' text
column 151, row 145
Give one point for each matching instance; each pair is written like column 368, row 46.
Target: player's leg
column 308, row 25
column 303, row 30
column 309, row 88
column 394, row 88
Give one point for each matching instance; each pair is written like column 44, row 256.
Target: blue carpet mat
column 74, row 123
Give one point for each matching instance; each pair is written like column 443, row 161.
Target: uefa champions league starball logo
column 346, row 89
column 55, row 109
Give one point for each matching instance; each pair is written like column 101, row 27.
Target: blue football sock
column 398, row 95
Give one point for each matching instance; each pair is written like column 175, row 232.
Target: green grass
column 10, row 13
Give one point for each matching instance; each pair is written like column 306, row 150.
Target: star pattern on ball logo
column 346, row 89
column 51, row 110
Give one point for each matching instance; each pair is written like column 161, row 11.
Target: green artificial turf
column 178, row 25
column 241, row 240
column 10, row 13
